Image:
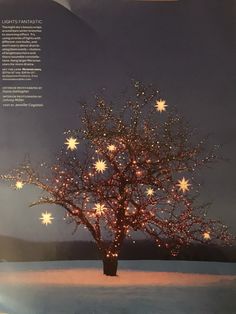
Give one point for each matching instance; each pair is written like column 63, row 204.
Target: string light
column 206, row 235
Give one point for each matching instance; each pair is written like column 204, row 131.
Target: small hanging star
column 100, row 165
column 206, row 235
column 71, row 143
column 160, row 105
column 183, row 185
column 111, row 148
column 46, row 218
column 19, row 185
column 149, row 192
column 99, row 208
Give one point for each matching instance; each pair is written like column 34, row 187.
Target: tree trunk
column 110, row 266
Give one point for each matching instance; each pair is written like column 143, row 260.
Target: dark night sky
column 185, row 48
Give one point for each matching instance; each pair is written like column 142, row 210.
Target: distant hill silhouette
column 18, row 250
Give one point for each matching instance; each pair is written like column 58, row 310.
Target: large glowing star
column 100, row 165
column 46, row 218
column 149, row 192
column 160, row 105
column 183, row 185
column 71, row 143
column 206, row 235
column 111, row 148
column 99, row 208
column 19, row 185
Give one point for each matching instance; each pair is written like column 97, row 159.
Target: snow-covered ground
column 142, row 287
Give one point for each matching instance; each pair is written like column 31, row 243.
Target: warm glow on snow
column 94, row 277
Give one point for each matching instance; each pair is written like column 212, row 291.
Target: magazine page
column 117, row 160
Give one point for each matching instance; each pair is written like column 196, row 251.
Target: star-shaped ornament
column 160, row 105
column 19, row 185
column 99, row 208
column 183, row 185
column 206, row 235
column 100, row 165
column 150, row 192
column 71, row 143
column 111, row 148
column 46, row 218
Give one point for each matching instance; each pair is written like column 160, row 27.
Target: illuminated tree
column 127, row 170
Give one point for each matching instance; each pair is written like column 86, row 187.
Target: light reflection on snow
column 94, row 277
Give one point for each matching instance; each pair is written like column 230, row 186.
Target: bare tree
column 129, row 170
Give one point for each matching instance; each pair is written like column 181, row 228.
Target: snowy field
column 142, row 287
